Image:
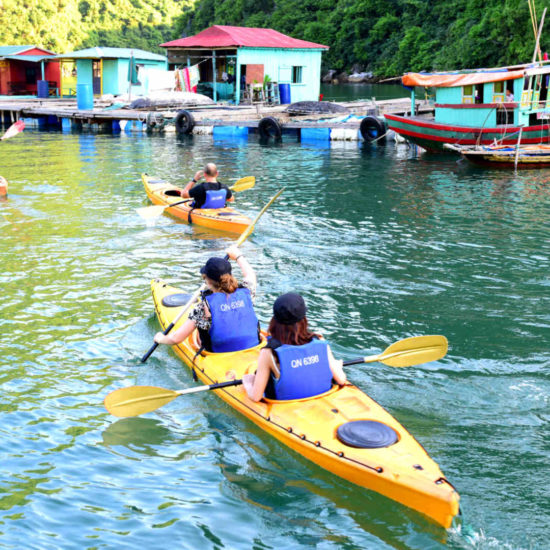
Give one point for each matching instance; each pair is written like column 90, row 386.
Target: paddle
column 136, row 400
column 149, row 212
column 14, row 129
column 196, row 294
column 408, row 352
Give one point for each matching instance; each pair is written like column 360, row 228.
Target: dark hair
column 210, row 169
column 227, row 284
column 295, row 335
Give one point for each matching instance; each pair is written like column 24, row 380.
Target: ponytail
column 227, row 284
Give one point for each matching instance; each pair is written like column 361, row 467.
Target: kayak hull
column 163, row 193
column 402, row 471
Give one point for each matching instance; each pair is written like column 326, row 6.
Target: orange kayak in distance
column 162, row 193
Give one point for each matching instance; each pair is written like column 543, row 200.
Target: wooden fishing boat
column 502, row 156
column 391, row 462
column 479, row 106
column 160, row 192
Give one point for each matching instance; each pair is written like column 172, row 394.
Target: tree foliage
column 66, row 25
column 388, row 37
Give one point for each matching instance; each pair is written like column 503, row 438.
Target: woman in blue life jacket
column 224, row 316
column 296, row 363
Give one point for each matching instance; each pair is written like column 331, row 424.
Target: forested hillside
column 391, row 36
column 387, row 37
column 66, row 25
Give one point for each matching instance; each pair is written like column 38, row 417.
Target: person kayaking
column 210, row 193
column 296, row 362
column 224, row 316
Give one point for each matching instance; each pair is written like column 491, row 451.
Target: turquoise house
column 106, row 69
column 231, row 59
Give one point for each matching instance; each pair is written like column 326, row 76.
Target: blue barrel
column 84, row 96
column 284, row 93
column 41, row 88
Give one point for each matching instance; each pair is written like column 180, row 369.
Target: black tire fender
column 270, row 127
column 184, row 122
column 372, row 128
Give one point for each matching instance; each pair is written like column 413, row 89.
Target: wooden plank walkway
column 205, row 115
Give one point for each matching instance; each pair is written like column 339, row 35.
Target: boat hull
column 222, row 219
column 402, row 471
column 432, row 136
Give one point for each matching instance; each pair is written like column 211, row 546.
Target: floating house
column 480, row 107
column 105, row 70
column 231, row 58
column 21, row 67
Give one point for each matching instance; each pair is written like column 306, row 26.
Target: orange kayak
column 223, row 219
column 323, row 428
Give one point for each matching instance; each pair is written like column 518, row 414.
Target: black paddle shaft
column 166, row 331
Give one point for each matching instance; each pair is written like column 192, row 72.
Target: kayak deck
column 162, row 193
column 402, row 471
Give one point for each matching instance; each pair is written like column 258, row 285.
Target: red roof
column 222, row 36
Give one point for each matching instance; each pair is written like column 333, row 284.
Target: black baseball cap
column 214, row 268
column 289, row 308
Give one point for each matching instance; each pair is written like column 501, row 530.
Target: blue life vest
column 305, row 370
column 234, row 323
column 215, row 198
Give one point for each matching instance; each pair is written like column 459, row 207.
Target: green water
column 382, row 244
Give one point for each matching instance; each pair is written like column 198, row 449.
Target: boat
column 3, row 186
column 503, row 156
column 477, row 107
column 391, row 463
column 160, row 192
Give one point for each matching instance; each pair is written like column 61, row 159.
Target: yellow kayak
column 323, row 428
column 162, row 193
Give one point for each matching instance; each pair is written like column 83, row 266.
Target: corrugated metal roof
column 223, row 36
column 458, row 79
column 111, row 53
column 14, row 50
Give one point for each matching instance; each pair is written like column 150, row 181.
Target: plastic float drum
column 184, row 122
column 372, row 129
column 366, row 434
column 176, row 300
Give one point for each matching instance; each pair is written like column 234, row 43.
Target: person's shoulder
column 273, row 343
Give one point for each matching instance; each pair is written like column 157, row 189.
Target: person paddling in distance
column 224, row 315
column 296, row 363
column 210, row 193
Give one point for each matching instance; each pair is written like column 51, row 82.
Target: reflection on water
column 383, row 244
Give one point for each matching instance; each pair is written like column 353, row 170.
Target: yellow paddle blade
column 243, row 184
column 137, row 400
column 148, row 212
column 413, row 351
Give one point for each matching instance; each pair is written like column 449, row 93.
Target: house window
column 498, row 92
column 467, row 94
column 297, row 75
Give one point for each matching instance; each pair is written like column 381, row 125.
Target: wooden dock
column 206, row 116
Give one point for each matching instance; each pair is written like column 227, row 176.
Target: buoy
column 3, row 186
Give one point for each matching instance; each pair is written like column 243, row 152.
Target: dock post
column 66, row 124
column 214, row 75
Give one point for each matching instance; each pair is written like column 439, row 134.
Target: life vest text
column 311, row 360
column 233, row 305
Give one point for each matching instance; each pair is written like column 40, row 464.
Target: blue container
column 84, row 96
column 284, row 93
column 315, row 134
column 228, row 132
column 42, row 88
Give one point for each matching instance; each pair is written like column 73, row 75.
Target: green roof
column 14, row 50
column 30, row 58
column 111, row 53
